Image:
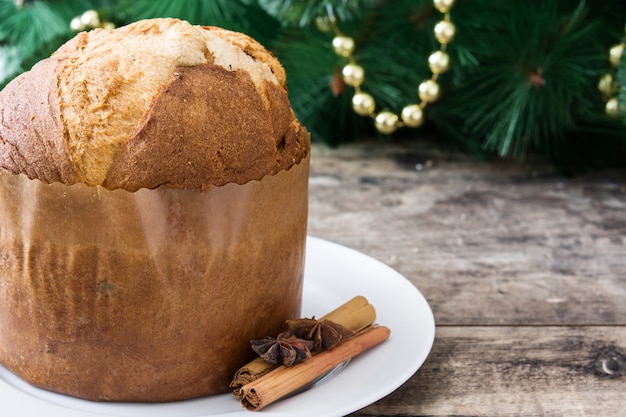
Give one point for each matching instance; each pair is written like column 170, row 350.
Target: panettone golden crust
column 157, row 102
column 153, row 212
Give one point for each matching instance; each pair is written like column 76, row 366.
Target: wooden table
column 525, row 271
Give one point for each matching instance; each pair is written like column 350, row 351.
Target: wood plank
column 498, row 243
column 516, row 371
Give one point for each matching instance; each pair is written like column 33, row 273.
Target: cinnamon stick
column 283, row 380
column 249, row 373
column 355, row 314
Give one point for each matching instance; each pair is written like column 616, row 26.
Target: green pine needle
column 200, row 12
column 523, row 74
column 533, row 80
column 9, row 63
column 302, row 13
column 27, row 27
column 311, row 67
column 33, row 31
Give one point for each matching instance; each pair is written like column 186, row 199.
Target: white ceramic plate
column 333, row 275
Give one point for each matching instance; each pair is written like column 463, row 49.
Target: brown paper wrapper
column 146, row 296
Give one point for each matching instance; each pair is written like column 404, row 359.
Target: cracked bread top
column 156, row 103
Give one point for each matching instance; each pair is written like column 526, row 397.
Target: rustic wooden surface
column 525, row 271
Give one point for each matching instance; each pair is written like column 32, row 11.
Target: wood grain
column 516, row 371
column 486, row 243
column 525, row 271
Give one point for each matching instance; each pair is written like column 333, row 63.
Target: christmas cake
column 153, row 210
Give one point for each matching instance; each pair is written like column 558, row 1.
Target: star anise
column 285, row 349
column 325, row 334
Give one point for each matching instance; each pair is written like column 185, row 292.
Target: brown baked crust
column 178, row 144
column 157, row 102
column 32, row 141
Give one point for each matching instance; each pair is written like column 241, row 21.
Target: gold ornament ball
column 615, row 54
column 612, row 107
column 412, row 115
column 76, row 25
column 90, row 19
column 343, row 45
column 353, row 75
column 443, row 6
column 386, row 122
column 444, row 31
column 428, row 91
column 606, row 85
column 438, row 62
column 363, row 104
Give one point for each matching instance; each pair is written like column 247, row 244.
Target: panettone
column 153, row 209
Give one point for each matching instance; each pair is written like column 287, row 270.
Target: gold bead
column 76, row 25
column 615, row 54
column 108, row 25
column 323, row 23
column 443, row 5
column 353, row 74
column 444, row 31
column 412, row 115
column 606, row 85
column 438, row 62
column 343, row 45
column 386, row 122
column 428, row 91
column 612, row 107
column 90, row 19
column 363, row 104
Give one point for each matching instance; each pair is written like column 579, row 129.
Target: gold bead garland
column 90, row 19
column 607, row 84
column 412, row 115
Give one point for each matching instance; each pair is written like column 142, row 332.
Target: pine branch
column 239, row 15
column 34, row 30
column 302, row 13
column 533, row 81
column 9, row 63
column 29, row 26
column 200, row 12
column 319, row 98
column 393, row 46
column 523, row 75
